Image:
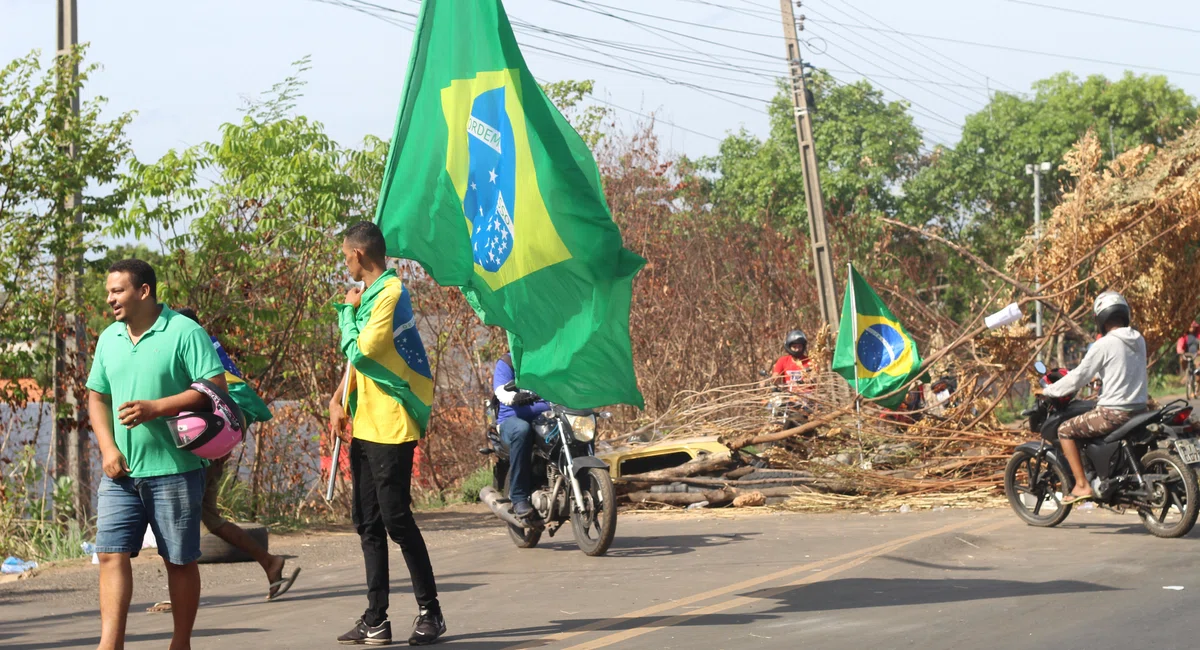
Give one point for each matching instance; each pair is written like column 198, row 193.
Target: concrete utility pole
column 69, row 433
column 1036, row 171
column 822, row 259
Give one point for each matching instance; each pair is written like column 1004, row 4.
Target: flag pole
column 337, row 437
column 854, row 348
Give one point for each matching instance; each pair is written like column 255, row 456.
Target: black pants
column 382, row 476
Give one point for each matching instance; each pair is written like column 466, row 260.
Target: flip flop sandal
column 280, row 587
column 1071, row 499
column 161, row 607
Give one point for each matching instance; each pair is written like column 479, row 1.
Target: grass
column 1164, row 385
column 466, row 492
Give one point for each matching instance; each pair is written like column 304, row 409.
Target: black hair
column 140, row 272
column 189, row 312
column 368, row 237
column 1119, row 319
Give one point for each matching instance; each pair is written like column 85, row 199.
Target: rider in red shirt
column 1188, row 345
column 793, row 368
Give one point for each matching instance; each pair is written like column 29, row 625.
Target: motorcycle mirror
column 1040, row 367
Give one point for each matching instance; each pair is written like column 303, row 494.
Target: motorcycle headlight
column 583, row 427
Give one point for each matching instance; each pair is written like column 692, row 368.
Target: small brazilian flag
column 490, row 189
column 252, row 406
column 874, row 352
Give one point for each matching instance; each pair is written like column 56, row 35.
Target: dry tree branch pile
column 1131, row 225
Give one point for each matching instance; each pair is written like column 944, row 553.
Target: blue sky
column 185, row 66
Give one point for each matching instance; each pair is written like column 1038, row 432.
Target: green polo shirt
column 173, row 353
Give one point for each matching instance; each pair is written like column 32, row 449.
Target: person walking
column 254, row 410
column 144, row 364
column 391, row 388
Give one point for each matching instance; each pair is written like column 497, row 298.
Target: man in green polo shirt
column 143, row 366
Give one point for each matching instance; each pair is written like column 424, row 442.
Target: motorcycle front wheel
column 1175, row 502
column 596, row 526
column 1034, row 487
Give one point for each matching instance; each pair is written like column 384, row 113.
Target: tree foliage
column 978, row 191
column 865, row 144
column 37, row 173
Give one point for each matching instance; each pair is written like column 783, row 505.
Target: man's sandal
column 280, row 587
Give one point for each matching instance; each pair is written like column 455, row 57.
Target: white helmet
column 1109, row 305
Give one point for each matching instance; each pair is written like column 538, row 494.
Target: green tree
column 978, row 192
column 37, row 129
column 866, row 146
column 589, row 121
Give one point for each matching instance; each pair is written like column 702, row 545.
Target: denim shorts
column 171, row 505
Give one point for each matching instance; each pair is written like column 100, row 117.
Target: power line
column 887, row 63
column 1093, row 14
column 877, row 21
column 676, row 20
column 1013, row 49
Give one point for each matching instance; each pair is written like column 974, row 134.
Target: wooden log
column 840, row 486
column 713, row 497
column 708, row 464
column 812, row 425
column 738, row 473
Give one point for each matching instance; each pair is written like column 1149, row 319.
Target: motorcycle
column 569, row 482
column 1146, row 465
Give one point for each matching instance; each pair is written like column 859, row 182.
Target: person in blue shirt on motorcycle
column 514, row 421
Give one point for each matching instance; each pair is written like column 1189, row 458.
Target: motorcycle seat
column 1135, row 422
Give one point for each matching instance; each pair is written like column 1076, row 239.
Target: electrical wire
column 1019, row 50
column 1094, row 14
column 987, row 78
column 900, row 54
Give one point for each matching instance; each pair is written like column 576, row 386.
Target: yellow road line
column 872, row 552
column 862, row 557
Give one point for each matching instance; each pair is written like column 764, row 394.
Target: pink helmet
column 209, row 435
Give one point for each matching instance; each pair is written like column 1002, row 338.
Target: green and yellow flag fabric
column 393, row 381
column 490, row 189
column 874, row 352
column 253, row 408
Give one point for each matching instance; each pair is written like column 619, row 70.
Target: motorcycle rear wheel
column 597, row 526
column 1191, row 383
column 522, row 537
column 1178, row 495
column 1028, row 497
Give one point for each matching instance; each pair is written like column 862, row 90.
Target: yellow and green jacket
column 392, row 383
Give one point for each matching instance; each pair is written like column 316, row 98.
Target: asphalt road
column 951, row 579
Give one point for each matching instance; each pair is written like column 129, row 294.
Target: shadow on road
column 658, row 546
column 91, row 642
column 931, row 565
column 850, row 593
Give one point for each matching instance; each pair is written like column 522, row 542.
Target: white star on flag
column 493, row 176
column 473, row 186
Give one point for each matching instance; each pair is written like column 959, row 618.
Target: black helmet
column 793, row 337
column 1110, row 306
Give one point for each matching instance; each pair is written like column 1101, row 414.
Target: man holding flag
column 874, row 352
column 390, row 391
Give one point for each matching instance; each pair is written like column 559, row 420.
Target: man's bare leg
column 1071, row 451
column 183, row 582
column 116, row 589
column 238, row 538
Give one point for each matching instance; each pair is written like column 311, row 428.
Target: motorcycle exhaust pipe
column 500, row 506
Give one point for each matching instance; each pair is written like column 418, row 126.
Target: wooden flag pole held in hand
column 337, row 438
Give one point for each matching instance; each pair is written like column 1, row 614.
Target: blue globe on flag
column 879, row 346
column 490, row 199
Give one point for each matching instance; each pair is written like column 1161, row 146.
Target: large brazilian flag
column 490, row 189
column 874, row 352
